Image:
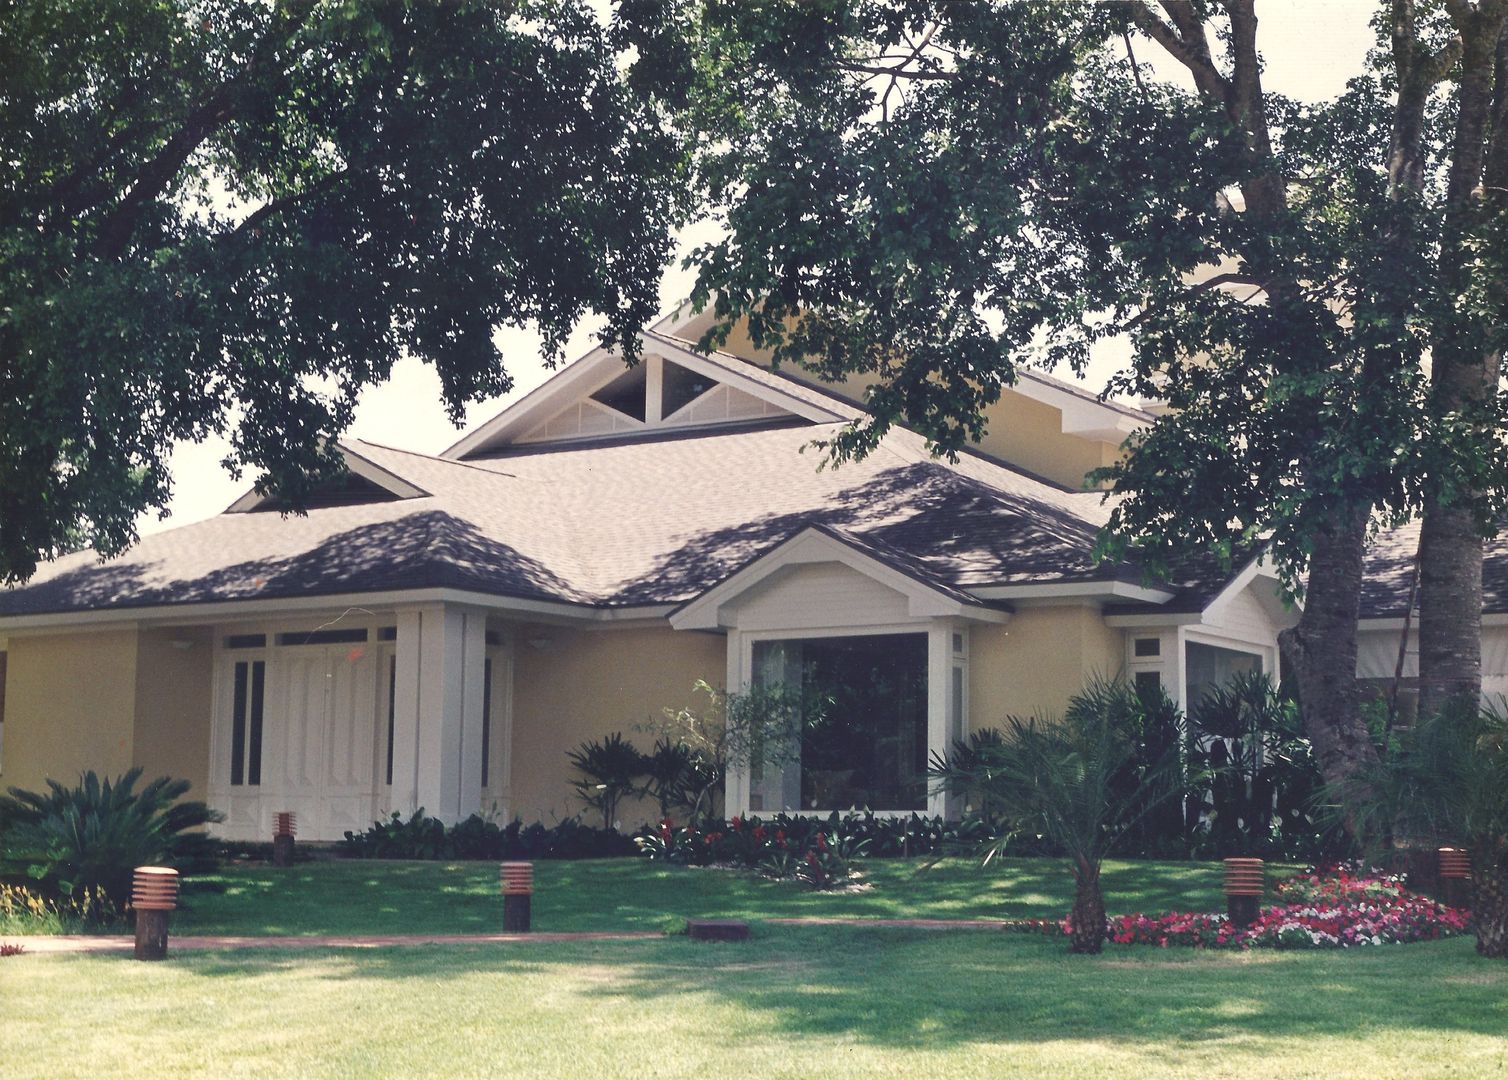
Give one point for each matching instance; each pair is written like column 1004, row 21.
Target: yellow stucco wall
column 1024, row 432
column 1037, row 661
column 587, row 684
column 70, row 705
column 173, row 706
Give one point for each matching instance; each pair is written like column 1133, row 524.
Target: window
column 864, row 736
column 1148, row 685
column 392, row 712
column 625, row 394
column 246, row 641
column 323, row 637
column 1148, row 646
column 681, row 387
column 486, row 720
column 246, row 724
column 387, row 633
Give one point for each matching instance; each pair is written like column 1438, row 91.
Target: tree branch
column 1192, row 291
column 1191, row 51
column 272, row 207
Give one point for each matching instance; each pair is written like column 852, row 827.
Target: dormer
column 670, row 390
column 362, row 482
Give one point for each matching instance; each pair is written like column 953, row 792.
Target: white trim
column 1083, row 417
column 1395, row 622
column 1074, row 590
column 368, row 470
column 189, row 614
column 1152, row 620
column 812, row 545
column 940, row 658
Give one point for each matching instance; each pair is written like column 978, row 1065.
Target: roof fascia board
column 1069, row 590
column 810, row 546
column 1081, row 416
column 187, row 614
column 726, row 373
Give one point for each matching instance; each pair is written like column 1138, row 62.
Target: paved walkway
column 108, row 943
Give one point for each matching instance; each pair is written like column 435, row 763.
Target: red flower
column 736, row 823
column 759, row 834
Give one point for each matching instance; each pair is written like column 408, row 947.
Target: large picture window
column 864, row 738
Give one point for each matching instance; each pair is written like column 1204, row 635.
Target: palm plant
column 610, row 769
column 93, row 836
column 1445, row 782
column 668, row 773
column 1058, row 778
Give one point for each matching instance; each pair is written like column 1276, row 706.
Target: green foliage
column 751, row 729
column 93, row 836
column 226, row 217
column 1265, row 787
column 1063, row 779
column 610, row 769
column 424, row 837
column 670, row 772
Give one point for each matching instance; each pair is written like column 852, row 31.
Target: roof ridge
column 428, row 457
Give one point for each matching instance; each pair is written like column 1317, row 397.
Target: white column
column 408, row 650
column 437, row 717
column 939, row 678
column 736, row 784
column 473, row 674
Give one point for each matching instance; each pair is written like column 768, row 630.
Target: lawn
column 791, row 1002
column 359, row 897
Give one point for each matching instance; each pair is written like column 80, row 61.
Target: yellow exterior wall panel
column 70, row 706
column 173, row 706
column 585, row 685
column 1037, row 661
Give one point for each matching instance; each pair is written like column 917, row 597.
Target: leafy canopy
column 921, row 196
column 219, row 216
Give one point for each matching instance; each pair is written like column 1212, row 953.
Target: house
column 439, row 631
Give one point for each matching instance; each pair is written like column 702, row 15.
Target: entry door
column 328, row 719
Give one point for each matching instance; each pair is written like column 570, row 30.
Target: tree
column 1446, row 783
column 219, row 216
column 924, row 195
column 1060, row 778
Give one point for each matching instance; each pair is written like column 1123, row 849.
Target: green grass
column 360, row 897
column 792, row 1002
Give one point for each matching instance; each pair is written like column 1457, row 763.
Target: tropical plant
column 670, row 771
column 1445, row 783
column 1264, row 780
column 1058, row 778
column 610, row 769
column 93, row 836
column 753, row 729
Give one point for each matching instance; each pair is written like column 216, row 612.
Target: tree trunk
column 1086, row 923
column 1490, row 903
column 1320, row 652
column 1463, row 375
column 1450, row 609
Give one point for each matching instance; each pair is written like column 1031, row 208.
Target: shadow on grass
column 907, row 988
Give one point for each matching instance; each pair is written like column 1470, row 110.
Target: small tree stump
column 717, row 930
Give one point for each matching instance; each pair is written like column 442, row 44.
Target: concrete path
column 109, row 943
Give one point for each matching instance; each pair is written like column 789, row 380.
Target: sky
column 1310, row 49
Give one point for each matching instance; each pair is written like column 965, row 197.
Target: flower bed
column 1339, row 908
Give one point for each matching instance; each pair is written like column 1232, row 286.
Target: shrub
column 11, row 950
column 423, row 837
column 93, row 836
column 610, row 769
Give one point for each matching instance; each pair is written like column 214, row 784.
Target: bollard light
column 285, row 825
column 518, row 892
column 1245, row 883
column 154, row 895
column 1455, row 876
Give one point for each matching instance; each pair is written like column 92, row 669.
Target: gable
column 670, row 389
column 363, row 482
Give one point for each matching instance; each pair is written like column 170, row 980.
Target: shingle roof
column 638, row 522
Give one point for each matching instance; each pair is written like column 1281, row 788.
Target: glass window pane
column 864, row 741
